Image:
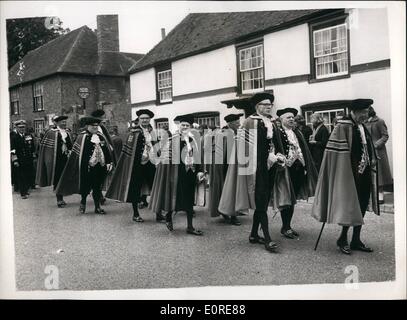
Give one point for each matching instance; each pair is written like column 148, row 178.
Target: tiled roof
column 75, row 52
column 204, row 31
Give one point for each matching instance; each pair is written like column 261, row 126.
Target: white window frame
column 159, row 125
column 15, row 101
column 328, row 123
column 164, row 85
column 38, row 96
column 248, row 64
column 38, row 130
column 323, row 55
column 208, row 120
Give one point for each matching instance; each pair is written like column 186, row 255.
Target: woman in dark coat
column 318, row 139
column 378, row 130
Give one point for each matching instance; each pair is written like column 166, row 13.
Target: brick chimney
column 108, row 32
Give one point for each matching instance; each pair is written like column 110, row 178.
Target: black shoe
column 289, row 233
column 63, row 203
column 99, row 211
column 24, row 196
column 82, row 209
column 225, row 217
column 168, row 221
column 235, row 221
column 360, row 246
column 343, row 247
column 159, row 217
column 271, row 246
column 138, row 219
column 60, row 204
column 195, row 232
column 257, row 240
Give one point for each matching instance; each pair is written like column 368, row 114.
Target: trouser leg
column 286, row 217
column 255, row 224
column 135, row 209
column 343, row 238
column 60, row 197
column 190, row 217
column 22, row 180
column 83, row 198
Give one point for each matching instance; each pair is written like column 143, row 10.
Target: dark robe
column 75, row 174
column 317, row 149
column 342, row 194
column 174, row 186
column 130, row 174
column 22, row 147
column 303, row 178
column 218, row 164
column 51, row 159
column 378, row 131
column 256, row 187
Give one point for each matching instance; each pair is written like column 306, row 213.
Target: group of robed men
column 280, row 172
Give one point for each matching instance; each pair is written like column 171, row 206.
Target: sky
column 140, row 22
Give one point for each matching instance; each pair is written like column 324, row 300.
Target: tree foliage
column 26, row 34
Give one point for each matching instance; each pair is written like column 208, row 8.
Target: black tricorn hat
column 260, row 97
column 359, row 104
column 287, row 110
column 84, row 121
column 232, row 117
column 185, row 118
column 59, row 118
column 98, row 113
column 145, row 111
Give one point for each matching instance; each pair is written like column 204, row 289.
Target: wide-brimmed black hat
column 185, row 118
column 287, row 110
column 85, row 121
column 260, row 97
column 359, row 104
column 97, row 113
column 232, row 117
column 145, row 111
column 59, row 118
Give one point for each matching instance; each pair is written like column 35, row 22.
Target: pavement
column 100, row 252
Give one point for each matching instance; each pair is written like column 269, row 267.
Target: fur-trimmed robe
column 240, row 184
column 336, row 199
column 167, row 183
column 51, row 161
column 75, row 171
column 129, row 170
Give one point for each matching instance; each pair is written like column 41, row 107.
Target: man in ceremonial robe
column 133, row 177
column 250, row 184
column 87, row 166
column 222, row 151
column 348, row 177
column 53, row 154
column 22, row 157
column 301, row 169
column 177, row 173
column 101, row 115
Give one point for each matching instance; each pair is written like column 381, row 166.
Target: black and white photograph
column 203, row 149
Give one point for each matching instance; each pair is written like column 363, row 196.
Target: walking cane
column 319, row 237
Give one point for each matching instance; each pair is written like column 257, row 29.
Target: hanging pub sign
column 83, row 92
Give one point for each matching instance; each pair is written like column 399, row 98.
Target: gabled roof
column 200, row 32
column 75, row 52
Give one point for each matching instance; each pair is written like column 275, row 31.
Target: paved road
column 96, row 252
